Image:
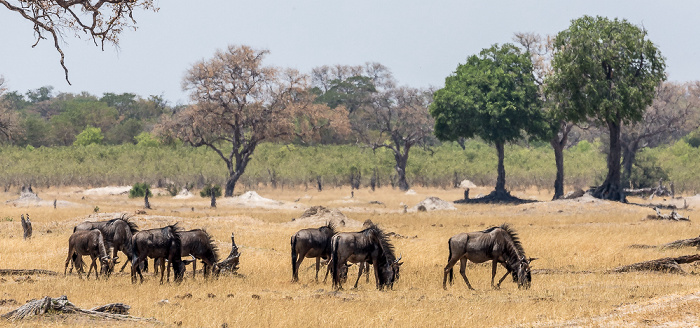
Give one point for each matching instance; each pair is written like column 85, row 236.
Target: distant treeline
column 292, row 166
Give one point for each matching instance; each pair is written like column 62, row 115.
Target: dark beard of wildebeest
column 89, row 243
column 369, row 245
column 116, row 232
column 157, row 243
column 200, row 245
column 497, row 244
column 312, row 242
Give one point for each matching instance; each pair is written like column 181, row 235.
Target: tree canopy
column 492, row 96
column 605, row 70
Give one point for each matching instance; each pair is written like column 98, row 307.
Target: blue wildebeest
column 369, row 245
column 116, row 232
column 89, row 243
column 198, row 244
column 311, row 242
column 497, row 244
column 157, row 243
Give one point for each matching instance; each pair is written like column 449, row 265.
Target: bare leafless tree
column 402, row 120
column 673, row 114
column 540, row 49
column 239, row 103
column 101, row 20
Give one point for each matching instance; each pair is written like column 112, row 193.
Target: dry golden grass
column 579, row 241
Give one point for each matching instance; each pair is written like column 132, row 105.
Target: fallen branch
column 693, row 242
column 62, row 305
column 667, row 264
column 24, row 272
column 673, row 216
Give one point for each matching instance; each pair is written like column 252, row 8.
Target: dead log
column 26, row 272
column 113, row 308
column 667, row 265
column 673, row 216
column 693, row 242
column 62, row 305
column 230, row 263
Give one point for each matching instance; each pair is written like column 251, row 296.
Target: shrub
column 646, row 171
column 89, row 136
column 140, row 190
column 208, row 189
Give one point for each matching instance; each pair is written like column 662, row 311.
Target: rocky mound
column 433, row 204
column 183, row 194
column 320, row 215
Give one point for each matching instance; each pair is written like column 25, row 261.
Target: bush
column 140, row 190
column 208, row 189
column 646, row 171
column 89, row 136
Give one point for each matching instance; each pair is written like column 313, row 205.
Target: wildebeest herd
column 370, row 246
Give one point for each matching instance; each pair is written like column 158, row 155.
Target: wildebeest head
column 108, row 264
column 523, row 275
column 396, row 266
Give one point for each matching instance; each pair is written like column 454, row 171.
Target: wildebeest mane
column 514, row 237
column 211, row 243
column 376, row 232
column 329, row 225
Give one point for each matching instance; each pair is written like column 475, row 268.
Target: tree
column 606, row 70
column 672, row 115
column 541, row 50
column 492, row 96
column 102, row 20
column 398, row 119
column 239, row 103
column 9, row 122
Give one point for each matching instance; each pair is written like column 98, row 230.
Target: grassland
column 576, row 243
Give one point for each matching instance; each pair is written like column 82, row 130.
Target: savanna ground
column 576, row 243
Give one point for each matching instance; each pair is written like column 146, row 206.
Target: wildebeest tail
column 295, row 271
column 449, row 258
column 334, row 265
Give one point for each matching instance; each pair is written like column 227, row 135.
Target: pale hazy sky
column 420, row 41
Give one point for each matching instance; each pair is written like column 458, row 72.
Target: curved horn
column 399, row 259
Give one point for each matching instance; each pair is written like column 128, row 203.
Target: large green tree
column 492, row 96
column 605, row 70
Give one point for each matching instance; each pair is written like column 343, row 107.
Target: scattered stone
column 255, row 297
column 210, row 295
column 184, row 296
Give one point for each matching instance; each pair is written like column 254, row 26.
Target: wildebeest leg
column 125, row 262
column 194, row 269
column 162, row 270
column 448, row 268
column 367, row 271
column 463, row 270
column 295, row 272
column 318, row 267
column 68, row 259
column 502, row 278
column 376, row 274
column 328, row 269
column 359, row 274
column 91, row 265
column 493, row 275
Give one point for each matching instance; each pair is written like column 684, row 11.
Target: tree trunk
column 401, row 161
column 501, row 180
column 559, row 160
column 611, row 189
column 146, row 203
column 231, row 184
column 213, row 198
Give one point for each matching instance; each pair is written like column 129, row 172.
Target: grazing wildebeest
column 89, row 243
column 497, row 244
column 157, row 243
column 365, row 265
column 200, row 245
column 312, row 242
column 369, row 245
column 116, row 232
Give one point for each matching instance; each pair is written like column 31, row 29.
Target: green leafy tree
column 145, row 139
column 140, row 189
column 608, row 71
column 492, row 96
column 89, row 136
